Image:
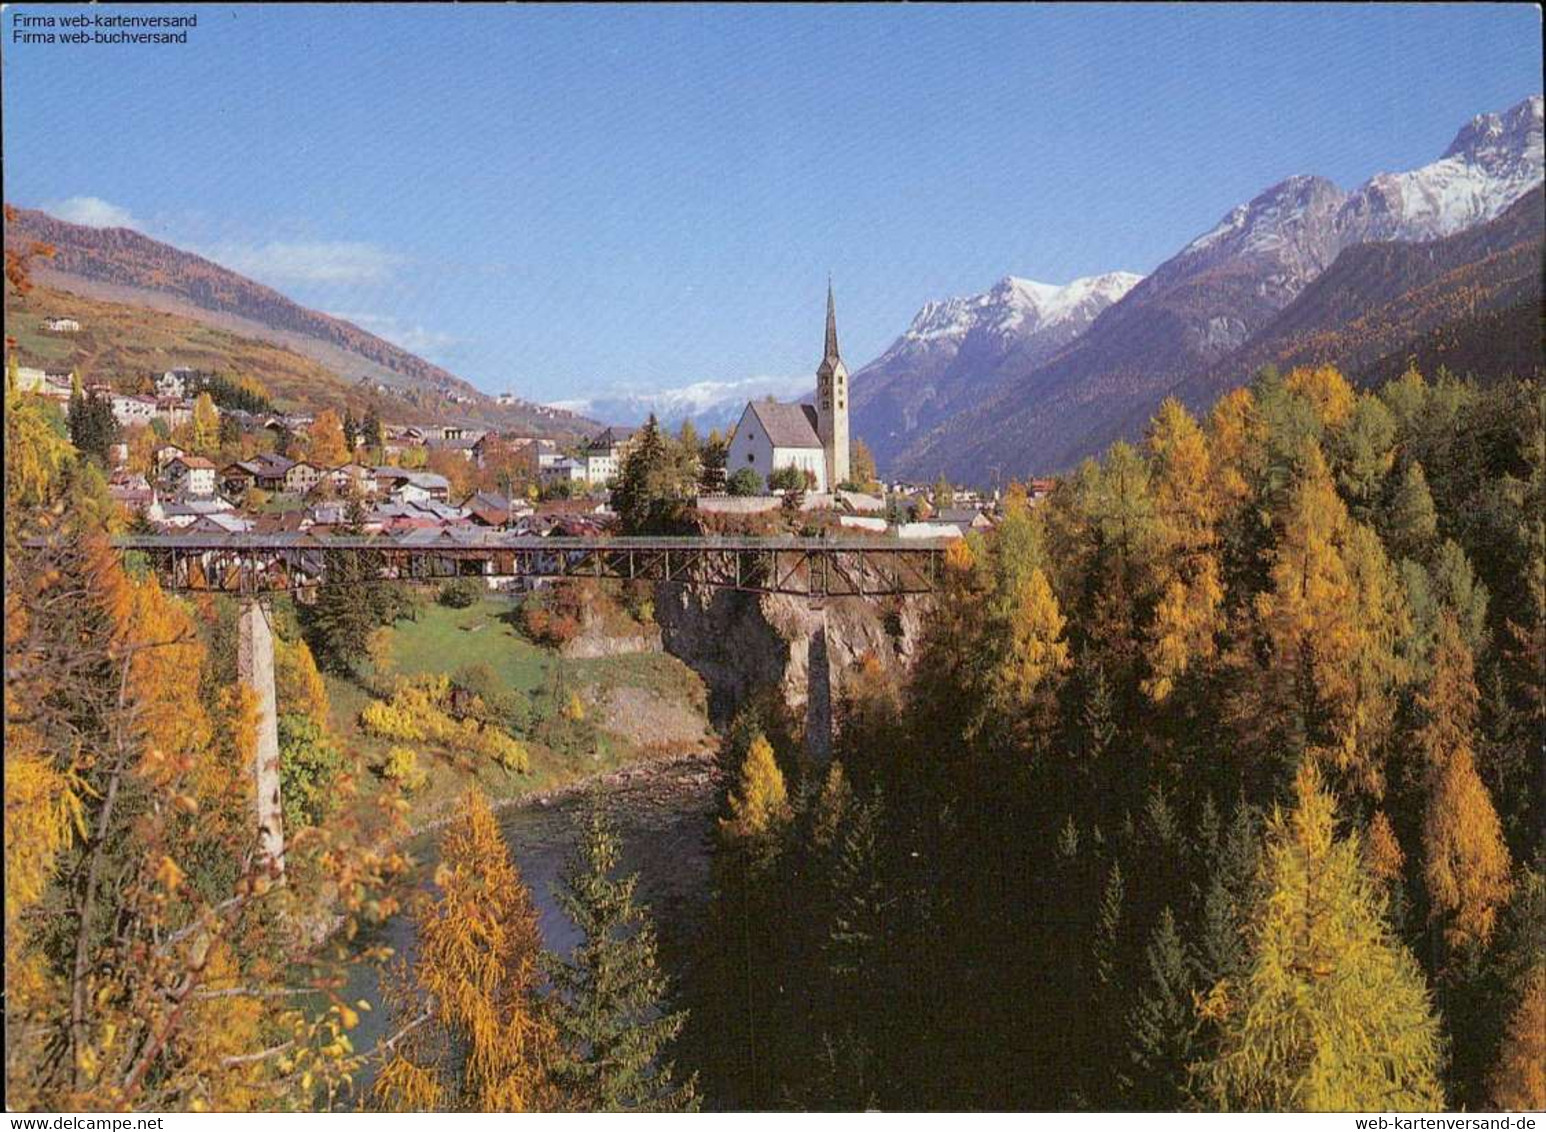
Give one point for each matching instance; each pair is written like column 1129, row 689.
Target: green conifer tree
column 607, row 997
column 1411, row 523
column 1162, row 1023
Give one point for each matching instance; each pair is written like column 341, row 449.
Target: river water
column 663, row 813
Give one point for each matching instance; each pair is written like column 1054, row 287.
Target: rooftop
column 787, row 426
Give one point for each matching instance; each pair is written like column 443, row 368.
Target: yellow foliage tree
column 1235, row 432
column 1518, row 1081
column 473, row 1035
column 1037, row 653
column 206, row 425
column 1333, row 616
column 1466, row 862
column 1383, row 857
column 759, row 805
column 1190, row 609
column 325, row 440
column 37, row 451
column 1332, row 1013
column 416, row 714
column 1327, row 390
column 298, row 685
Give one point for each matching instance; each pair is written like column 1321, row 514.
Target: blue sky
column 563, row 200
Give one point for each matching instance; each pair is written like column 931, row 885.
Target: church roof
column 787, row 426
column 831, row 354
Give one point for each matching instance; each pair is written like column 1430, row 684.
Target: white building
column 174, row 382
column 561, row 469
column 605, row 452
column 132, row 409
column 358, row 478
column 62, row 325
column 771, row 435
column 812, row 438
column 190, row 475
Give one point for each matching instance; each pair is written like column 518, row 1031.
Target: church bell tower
column 832, row 403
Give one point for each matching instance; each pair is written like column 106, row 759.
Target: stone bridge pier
column 255, row 670
column 818, row 696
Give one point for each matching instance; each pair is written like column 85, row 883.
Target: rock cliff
column 741, row 643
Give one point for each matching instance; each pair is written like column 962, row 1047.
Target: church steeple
column 832, row 402
column 831, row 354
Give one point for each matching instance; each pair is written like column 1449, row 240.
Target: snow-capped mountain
column 1020, row 307
column 1494, row 160
column 1200, row 307
column 1291, row 226
column 957, row 349
column 708, row 404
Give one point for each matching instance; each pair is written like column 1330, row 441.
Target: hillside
column 121, row 266
column 1385, row 298
column 117, row 340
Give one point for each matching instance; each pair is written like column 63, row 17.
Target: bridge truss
column 816, row 568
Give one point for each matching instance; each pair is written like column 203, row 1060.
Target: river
column 663, row 813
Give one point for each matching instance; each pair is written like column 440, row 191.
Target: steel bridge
column 816, row 568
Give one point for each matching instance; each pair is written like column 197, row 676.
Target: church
column 813, row 438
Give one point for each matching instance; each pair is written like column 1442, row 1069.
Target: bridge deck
column 811, row 567
column 432, row 540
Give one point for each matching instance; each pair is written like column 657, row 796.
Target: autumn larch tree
column 1332, row 1013
column 206, row 425
column 1465, row 861
column 1189, row 611
column 326, row 445
column 472, row 1034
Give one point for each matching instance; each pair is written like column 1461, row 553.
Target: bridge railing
column 813, row 567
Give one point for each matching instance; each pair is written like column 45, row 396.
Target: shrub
column 476, row 692
column 418, row 711
column 309, row 766
column 787, row 478
column 462, row 593
column 745, row 481
column 402, row 767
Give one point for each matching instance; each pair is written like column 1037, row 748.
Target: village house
column 266, row 472
column 56, row 385
column 461, row 445
column 525, row 449
column 561, row 469
column 223, row 523
column 190, row 475
column 61, row 325
column 177, row 383
column 396, row 516
column 131, row 409
column 963, row 518
column 353, row 479
column 604, row 453
column 811, row 438
column 130, row 489
column 302, row 476
column 488, row 509
column 183, row 513
column 164, row 455
column 175, row 412
column 404, row 485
